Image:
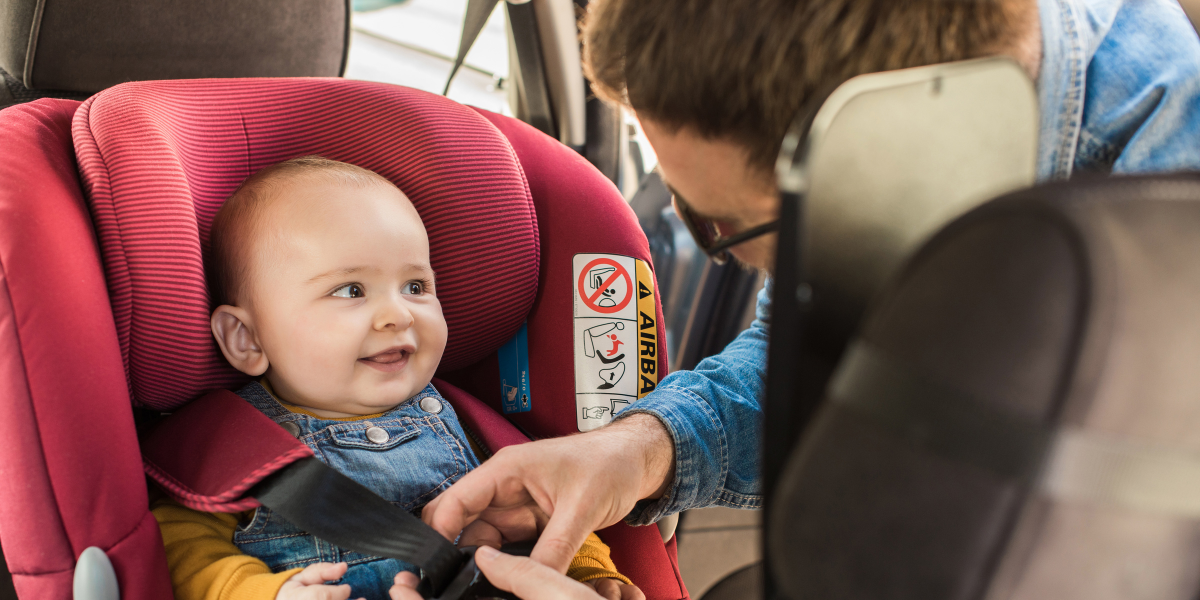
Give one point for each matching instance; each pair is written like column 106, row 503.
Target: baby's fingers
column 327, row 592
column 405, row 587
column 320, row 573
column 607, row 588
column 613, row 589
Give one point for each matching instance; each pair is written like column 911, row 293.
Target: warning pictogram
column 616, row 335
column 605, row 286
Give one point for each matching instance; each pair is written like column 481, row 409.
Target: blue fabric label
column 514, row 373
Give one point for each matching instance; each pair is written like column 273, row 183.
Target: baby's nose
column 395, row 315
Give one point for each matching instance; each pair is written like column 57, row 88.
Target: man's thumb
column 528, row 579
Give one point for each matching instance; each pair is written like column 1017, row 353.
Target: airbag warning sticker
column 616, row 336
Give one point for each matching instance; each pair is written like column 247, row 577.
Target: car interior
column 955, row 352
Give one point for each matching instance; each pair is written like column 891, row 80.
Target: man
column 715, row 86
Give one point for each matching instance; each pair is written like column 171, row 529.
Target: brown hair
column 743, row 70
column 227, row 262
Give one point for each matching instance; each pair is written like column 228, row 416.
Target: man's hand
column 566, row 487
column 527, row 579
column 309, row 584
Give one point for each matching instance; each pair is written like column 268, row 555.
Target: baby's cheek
column 433, row 333
column 324, row 354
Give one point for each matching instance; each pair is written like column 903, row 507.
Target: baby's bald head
column 239, row 225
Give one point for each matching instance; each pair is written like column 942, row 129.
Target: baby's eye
column 350, row 290
column 413, row 287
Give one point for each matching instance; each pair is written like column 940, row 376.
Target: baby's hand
column 615, row 589
column 309, row 584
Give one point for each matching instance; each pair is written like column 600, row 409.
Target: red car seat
column 103, row 305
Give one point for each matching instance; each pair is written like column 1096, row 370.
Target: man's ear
column 234, row 330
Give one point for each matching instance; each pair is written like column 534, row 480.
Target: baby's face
column 341, row 296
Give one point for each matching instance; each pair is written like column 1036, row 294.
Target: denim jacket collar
column 1072, row 31
column 262, row 399
column 1060, row 88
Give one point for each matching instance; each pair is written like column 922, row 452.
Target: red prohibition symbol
column 592, row 300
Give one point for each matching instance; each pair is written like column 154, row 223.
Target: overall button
column 292, row 428
column 377, row 435
column 431, row 405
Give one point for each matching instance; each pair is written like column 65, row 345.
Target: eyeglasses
column 708, row 237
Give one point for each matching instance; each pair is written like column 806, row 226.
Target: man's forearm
column 652, row 441
column 713, row 421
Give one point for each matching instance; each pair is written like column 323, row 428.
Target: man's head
column 717, row 84
column 321, row 273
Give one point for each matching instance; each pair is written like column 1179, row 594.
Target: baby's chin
column 377, row 397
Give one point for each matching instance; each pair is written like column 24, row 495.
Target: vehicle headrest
column 89, row 45
column 158, row 159
column 891, row 157
column 1019, row 416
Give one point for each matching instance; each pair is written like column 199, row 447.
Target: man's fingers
column 563, row 535
column 528, row 579
column 428, row 510
column 461, row 504
column 481, row 533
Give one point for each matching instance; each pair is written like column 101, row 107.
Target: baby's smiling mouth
column 390, row 360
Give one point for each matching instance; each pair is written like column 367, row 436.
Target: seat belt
column 337, row 509
column 522, row 21
column 477, row 15
column 251, row 458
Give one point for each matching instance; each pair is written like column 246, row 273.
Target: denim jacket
column 1119, row 92
column 407, row 455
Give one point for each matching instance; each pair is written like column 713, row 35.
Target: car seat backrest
column 1018, row 417
column 89, row 45
column 891, row 157
column 157, row 160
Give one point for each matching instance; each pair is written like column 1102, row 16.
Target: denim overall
column 423, row 452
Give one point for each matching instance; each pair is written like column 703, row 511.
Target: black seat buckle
column 470, row 583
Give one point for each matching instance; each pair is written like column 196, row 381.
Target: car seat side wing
column 209, row 453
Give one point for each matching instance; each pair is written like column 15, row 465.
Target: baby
column 322, row 276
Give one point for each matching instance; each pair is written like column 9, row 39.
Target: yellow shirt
column 206, row 565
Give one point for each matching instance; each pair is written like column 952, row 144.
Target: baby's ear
column 234, row 330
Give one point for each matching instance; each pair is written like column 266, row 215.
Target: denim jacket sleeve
column 714, row 415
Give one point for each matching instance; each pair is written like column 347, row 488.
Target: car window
column 413, row 43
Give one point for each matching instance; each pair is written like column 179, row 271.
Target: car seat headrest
column 891, row 157
column 1018, row 418
column 158, row 159
column 88, row 45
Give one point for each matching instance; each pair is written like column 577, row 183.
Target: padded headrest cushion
column 159, row 158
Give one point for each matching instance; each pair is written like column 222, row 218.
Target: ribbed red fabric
column 158, row 159
column 70, row 472
column 207, row 454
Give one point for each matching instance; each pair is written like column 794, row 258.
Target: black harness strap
column 342, row 511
